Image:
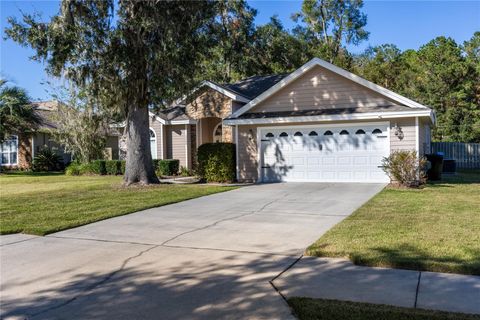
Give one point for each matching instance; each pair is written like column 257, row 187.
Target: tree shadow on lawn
column 461, row 177
column 412, row 258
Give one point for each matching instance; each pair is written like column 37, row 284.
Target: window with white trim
column 153, row 144
column 9, row 151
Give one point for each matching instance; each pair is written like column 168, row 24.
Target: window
column 377, row 131
column 298, row 134
column 153, row 144
column 328, row 133
column 360, row 131
column 269, row 135
column 9, row 151
column 283, row 134
column 313, row 133
column 217, row 133
column 344, row 132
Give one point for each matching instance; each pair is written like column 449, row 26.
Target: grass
column 319, row 309
column 45, row 203
column 436, row 228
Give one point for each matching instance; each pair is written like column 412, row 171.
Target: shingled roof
column 253, row 86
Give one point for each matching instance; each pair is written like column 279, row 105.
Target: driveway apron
column 211, row 257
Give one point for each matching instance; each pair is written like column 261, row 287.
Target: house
column 318, row 123
column 19, row 150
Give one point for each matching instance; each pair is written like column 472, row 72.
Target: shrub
column 167, row 167
column 405, row 168
column 47, row 160
column 123, row 164
column 216, row 162
column 185, row 172
column 98, row 167
column 156, row 163
column 113, row 167
column 78, row 169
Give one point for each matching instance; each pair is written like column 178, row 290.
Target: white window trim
column 16, row 147
column 156, row 142
column 417, row 137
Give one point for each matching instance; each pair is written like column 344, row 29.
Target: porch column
column 188, row 148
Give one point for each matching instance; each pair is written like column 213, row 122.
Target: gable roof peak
column 333, row 68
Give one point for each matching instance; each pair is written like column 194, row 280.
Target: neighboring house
column 318, row 123
column 18, row 151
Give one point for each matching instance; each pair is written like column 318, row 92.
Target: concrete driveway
column 206, row 258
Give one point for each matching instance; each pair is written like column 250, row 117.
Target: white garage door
column 324, row 154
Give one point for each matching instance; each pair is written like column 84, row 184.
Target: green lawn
column 436, row 228
column 319, row 309
column 45, row 203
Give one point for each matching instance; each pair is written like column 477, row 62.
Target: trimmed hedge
column 98, row 167
column 101, row 167
column 216, row 162
column 113, row 167
column 78, row 169
column 166, row 167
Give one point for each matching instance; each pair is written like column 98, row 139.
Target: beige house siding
column 42, row 139
column 247, row 153
column 321, row 88
column 176, row 148
column 424, row 137
column 407, row 126
column 247, row 143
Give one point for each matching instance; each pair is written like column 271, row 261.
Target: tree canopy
column 131, row 55
column 16, row 113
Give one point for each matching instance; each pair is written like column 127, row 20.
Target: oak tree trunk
column 139, row 165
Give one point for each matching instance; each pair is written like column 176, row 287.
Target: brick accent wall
column 24, row 152
column 227, row 133
column 209, row 103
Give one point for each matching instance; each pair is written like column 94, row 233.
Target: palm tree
column 16, row 113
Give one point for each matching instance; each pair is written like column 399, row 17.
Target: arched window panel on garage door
column 344, row 133
column 283, row 134
column 328, row 133
column 377, row 131
column 360, row 131
column 298, row 134
column 269, row 135
column 313, row 134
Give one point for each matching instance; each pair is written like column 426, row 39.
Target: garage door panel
column 343, row 161
column 360, row 160
column 351, row 153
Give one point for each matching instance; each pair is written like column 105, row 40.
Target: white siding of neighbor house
column 320, row 88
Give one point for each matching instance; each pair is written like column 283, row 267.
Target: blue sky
column 407, row 24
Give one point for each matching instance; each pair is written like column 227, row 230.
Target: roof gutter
column 349, row 117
